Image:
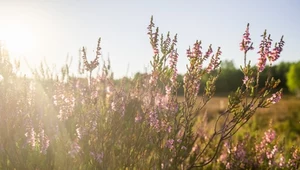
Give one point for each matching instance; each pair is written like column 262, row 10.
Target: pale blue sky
column 61, row 27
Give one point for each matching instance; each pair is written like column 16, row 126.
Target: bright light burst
column 18, row 38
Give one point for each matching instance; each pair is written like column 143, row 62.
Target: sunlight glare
column 18, row 39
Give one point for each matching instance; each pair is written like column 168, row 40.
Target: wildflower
column 75, row 149
column 261, row 64
column 30, row 134
column 214, row 62
column 240, row 152
column 208, row 52
column 170, row 144
column 44, row 141
column 93, row 64
column 275, row 97
column 245, row 80
column 270, row 135
column 153, row 36
column 153, row 120
column 172, row 64
column 97, row 156
column 271, row 154
column 246, row 43
column 196, row 52
column 264, row 51
column 275, row 54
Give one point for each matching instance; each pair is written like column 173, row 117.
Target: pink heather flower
column 153, row 120
column 275, row 54
column 75, row 149
column 275, row 97
column 271, row 154
column 245, row 80
column 173, row 59
column 196, row 52
column 30, row 135
column 65, row 102
column 261, row 64
column 167, row 42
column 44, row 141
column 270, row 135
column 208, row 52
column 172, row 64
column 161, row 101
column 240, row 152
column 214, row 62
column 264, row 51
column 97, row 156
column 170, row 144
column 246, row 43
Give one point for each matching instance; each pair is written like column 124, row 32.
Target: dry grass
column 287, row 103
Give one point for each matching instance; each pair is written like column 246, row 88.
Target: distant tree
column 293, row 79
column 229, row 79
column 280, row 71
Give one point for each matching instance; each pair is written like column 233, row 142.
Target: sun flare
column 18, row 39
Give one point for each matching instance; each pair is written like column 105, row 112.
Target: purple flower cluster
column 275, row 97
column 196, row 51
column 64, row 101
column 172, row 63
column 265, row 52
column 214, row 62
column 153, row 36
column 275, row 54
column 246, row 43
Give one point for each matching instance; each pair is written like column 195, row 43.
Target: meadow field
column 284, row 115
column 155, row 120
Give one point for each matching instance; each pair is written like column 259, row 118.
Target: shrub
column 94, row 123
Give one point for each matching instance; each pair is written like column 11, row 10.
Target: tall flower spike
column 93, row 64
column 275, row 54
column 153, row 36
column 172, row 63
column 246, row 43
column 264, row 51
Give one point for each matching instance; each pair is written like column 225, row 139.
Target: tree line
column 231, row 78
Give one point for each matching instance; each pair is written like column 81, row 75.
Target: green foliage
column 293, row 78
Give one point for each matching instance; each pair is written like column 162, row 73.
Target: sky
column 51, row 30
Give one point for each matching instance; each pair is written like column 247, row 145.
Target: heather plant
column 252, row 152
column 71, row 122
